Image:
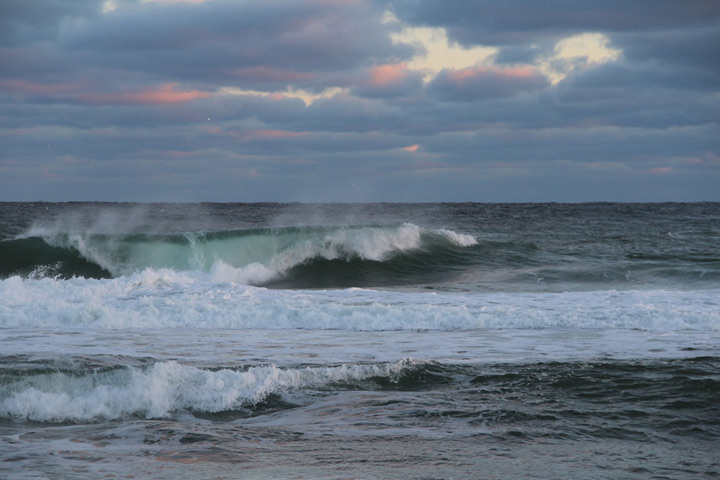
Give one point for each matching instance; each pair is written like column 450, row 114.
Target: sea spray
column 252, row 256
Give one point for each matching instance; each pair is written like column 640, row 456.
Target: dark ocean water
column 359, row 340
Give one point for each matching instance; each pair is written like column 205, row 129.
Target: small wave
column 169, row 387
column 459, row 239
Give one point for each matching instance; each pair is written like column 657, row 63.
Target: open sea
column 359, row 341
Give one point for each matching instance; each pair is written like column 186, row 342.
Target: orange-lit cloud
column 412, row 148
column 165, row 94
column 384, row 75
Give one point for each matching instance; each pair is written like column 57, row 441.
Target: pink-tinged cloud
column 390, row 74
column 30, row 88
column 466, row 74
column 249, row 135
column 412, row 148
column 487, row 81
column 162, row 95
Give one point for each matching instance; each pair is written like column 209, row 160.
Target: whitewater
column 359, row 340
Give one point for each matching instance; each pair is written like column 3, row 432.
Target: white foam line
column 167, row 387
column 168, row 299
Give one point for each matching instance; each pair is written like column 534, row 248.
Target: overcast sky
column 360, row 100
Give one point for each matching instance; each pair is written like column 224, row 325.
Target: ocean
column 359, row 341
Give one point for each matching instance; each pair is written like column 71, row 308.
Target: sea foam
column 169, row 299
column 168, row 387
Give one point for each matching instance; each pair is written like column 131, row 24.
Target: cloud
column 287, row 100
column 501, row 23
column 164, row 94
column 25, row 87
column 384, row 75
column 434, row 52
column 247, row 45
column 482, row 82
column 273, row 75
column 253, row 135
column 575, row 53
column 659, row 170
column 308, row 98
column 693, row 49
column 388, row 81
column 23, row 22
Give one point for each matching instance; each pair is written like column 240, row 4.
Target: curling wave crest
column 251, row 256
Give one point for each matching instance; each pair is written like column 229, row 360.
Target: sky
column 360, row 100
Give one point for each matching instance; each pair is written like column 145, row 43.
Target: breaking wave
column 311, row 256
column 165, row 388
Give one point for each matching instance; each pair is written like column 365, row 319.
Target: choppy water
column 359, row 341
